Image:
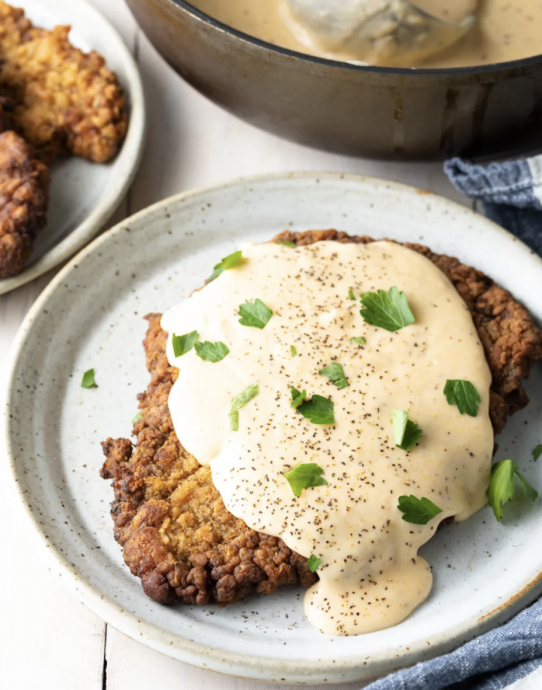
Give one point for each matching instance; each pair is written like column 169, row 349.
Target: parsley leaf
column 406, row 433
column 304, row 476
column 318, row 410
column 351, row 294
column 399, row 421
column 413, row 434
column 417, row 511
column 464, row 395
column 227, row 262
column 211, row 352
column 387, row 310
column 184, row 343
column 313, row 563
column 88, row 380
column 502, row 485
column 287, row 243
column 297, row 397
column 254, row 314
column 136, row 418
column 335, row 373
column 359, row 341
column 293, row 351
column 537, row 452
column 239, row 401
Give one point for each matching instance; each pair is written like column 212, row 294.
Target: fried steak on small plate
column 71, row 105
column 24, row 198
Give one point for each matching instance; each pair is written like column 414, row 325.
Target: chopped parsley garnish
column 464, row 395
column 286, row 243
column 304, row 476
column 502, row 485
column 313, row 563
column 297, row 397
column 293, row 351
column 360, row 341
column 351, row 294
column 537, row 452
column 184, row 343
column 211, row 352
column 255, row 314
column 88, row 380
column 227, row 262
column 417, row 511
column 136, row 418
column 335, row 373
column 387, row 310
column 318, row 410
column 239, row 401
column 406, row 434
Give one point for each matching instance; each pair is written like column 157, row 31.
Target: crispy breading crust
column 24, row 193
column 178, row 536
column 66, row 101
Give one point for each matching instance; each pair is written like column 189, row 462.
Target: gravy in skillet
column 504, row 30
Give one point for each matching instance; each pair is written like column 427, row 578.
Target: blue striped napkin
column 512, row 196
column 511, row 193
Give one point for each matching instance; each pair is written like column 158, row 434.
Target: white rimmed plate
column 84, row 195
column 91, row 316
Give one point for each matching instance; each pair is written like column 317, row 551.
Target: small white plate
column 91, row 316
column 84, row 195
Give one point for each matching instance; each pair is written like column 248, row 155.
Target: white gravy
column 453, row 11
column 505, row 29
column 371, row 576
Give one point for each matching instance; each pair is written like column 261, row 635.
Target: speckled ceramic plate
column 84, row 195
column 91, row 316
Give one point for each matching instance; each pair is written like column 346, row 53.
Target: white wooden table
column 48, row 640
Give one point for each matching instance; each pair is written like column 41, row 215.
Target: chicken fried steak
column 66, row 101
column 24, row 191
column 177, row 534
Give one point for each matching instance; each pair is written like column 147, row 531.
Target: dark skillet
column 492, row 110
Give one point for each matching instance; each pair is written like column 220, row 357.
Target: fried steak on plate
column 57, row 101
column 66, row 101
column 24, row 197
column 177, row 534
